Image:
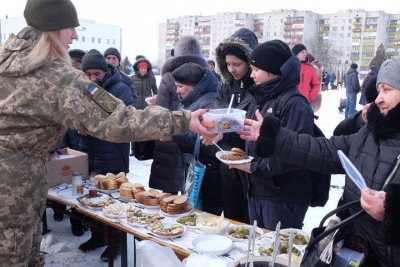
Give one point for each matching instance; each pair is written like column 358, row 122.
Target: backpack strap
column 283, row 99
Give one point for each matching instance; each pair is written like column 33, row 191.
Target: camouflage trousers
column 23, row 190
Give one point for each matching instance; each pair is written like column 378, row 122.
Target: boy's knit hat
column 298, row 48
column 76, row 54
column 50, row 15
column 189, row 73
column 94, row 60
column 354, row 66
column 270, row 56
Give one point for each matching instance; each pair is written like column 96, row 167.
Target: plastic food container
column 218, row 121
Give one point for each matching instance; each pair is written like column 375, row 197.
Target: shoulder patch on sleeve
column 103, row 98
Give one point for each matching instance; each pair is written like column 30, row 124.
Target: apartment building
column 92, row 35
column 338, row 38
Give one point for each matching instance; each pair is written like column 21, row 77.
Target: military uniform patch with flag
column 103, row 98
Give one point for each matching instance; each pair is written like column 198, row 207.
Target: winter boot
column 117, row 252
column 98, row 239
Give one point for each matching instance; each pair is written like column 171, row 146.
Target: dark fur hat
column 189, row 73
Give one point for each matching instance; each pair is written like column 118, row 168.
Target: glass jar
column 93, row 188
column 77, row 183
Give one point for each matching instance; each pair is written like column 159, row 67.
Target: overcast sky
column 139, row 20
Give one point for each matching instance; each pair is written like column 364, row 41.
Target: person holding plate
column 374, row 150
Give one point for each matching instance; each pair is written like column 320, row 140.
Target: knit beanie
column 142, row 65
column 234, row 51
column 270, row 56
column 354, row 66
column 76, row 54
column 188, row 45
column 113, row 51
column 389, row 73
column 94, row 60
column 50, row 15
column 298, row 48
column 189, row 73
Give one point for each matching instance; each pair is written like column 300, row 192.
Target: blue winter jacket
column 105, row 156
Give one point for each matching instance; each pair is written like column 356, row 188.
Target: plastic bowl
column 220, row 229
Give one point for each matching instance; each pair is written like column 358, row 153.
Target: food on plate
column 147, row 198
column 91, row 202
column 120, row 178
column 236, row 154
column 173, row 230
column 188, row 220
column 114, row 209
column 125, row 191
column 110, row 181
column 241, row 232
column 137, row 188
column 140, row 217
column 298, row 239
column 175, row 204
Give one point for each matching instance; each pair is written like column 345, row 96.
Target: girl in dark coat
column 374, row 150
column 196, row 88
column 232, row 56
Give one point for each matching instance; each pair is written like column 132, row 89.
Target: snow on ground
column 62, row 247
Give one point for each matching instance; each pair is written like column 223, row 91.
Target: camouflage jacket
column 38, row 103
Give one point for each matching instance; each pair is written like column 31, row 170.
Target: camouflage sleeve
column 87, row 107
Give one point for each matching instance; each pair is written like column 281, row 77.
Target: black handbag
column 351, row 240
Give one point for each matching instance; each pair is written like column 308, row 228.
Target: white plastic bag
column 202, row 260
column 151, row 254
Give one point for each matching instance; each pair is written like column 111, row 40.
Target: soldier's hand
column 195, row 124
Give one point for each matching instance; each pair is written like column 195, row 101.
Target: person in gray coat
column 352, row 85
column 374, row 150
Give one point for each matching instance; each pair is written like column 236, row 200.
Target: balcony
column 393, row 54
column 259, row 24
column 394, row 25
column 287, row 36
column 353, row 58
column 368, row 44
column 393, row 39
column 367, row 58
column 356, row 23
column 356, row 30
column 258, row 30
column 294, row 36
column 370, row 30
column 393, row 46
column 323, row 25
column 239, row 24
column 364, row 66
column 287, row 22
column 323, row 31
column 287, row 29
column 259, row 36
column 355, row 37
column 369, row 37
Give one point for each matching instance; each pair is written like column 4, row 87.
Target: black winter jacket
column 374, row 150
column 167, row 96
column 246, row 41
column 105, row 156
column 145, row 85
column 272, row 178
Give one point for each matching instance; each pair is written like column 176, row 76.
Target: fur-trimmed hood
column 245, row 40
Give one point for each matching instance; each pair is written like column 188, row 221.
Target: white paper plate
column 176, row 215
column 122, row 215
column 259, row 232
column 232, row 162
column 101, row 198
column 147, row 99
column 128, row 200
column 108, row 191
column 140, row 225
column 167, row 225
column 187, row 226
column 287, row 231
column 147, row 206
column 212, row 244
column 67, row 193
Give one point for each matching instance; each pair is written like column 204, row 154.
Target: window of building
column 349, row 22
column 349, row 28
column 108, row 41
column 83, row 38
column 99, row 40
column 334, row 28
column 93, row 40
column 342, row 28
column 114, row 41
column 349, row 35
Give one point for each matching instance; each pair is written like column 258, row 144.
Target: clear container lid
column 76, row 173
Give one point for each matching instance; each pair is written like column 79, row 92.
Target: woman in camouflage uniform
column 41, row 96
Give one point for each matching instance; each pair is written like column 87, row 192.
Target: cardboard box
column 61, row 169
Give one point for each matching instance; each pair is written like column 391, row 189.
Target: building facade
column 92, row 35
column 338, row 39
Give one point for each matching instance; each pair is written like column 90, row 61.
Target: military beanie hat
column 113, row 51
column 94, row 60
column 389, row 73
column 270, row 56
column 189, row 73
column 50, row 15
column 76, row 54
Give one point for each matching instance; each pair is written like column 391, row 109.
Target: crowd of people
column 51, row 97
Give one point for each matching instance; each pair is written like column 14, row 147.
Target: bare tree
column 126, row 66
column 379, row 58
column 329, row 56
column 311, row 45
